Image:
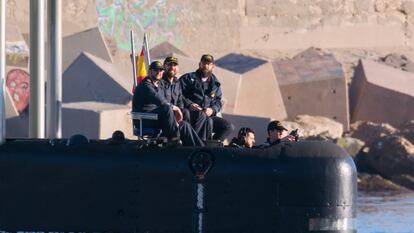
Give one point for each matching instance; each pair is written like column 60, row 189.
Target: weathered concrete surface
column 77, row 15
column 285, row 24
column 380, row 93
column 90, row 41
column 90, row 78
column 313, row 83
column 95, row 120
column 258, row 90
column 163, row 50
column 234, row 25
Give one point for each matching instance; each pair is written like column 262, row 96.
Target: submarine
column 121, row 185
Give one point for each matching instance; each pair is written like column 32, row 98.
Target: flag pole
column 2, row 71
column 147, row 54
column 134, row 64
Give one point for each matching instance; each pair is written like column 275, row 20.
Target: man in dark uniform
column 173, row 94
column 149, row 97
column 275, row 131
column 245, row 139
column 202, row 89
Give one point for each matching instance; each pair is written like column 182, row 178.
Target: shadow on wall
column 18, row 127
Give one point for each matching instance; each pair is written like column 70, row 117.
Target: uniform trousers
column 171, row 129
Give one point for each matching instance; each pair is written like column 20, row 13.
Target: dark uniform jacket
column 235, row 142
column 268, row 143
column 148, row 97
column 207, row 96
column 173, row 92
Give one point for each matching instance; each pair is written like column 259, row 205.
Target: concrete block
column 90, row 41
column 382, row 94
column 163, row 50
column 90, row 78
column 258, row 93
column 95, row 120
column 313, row 83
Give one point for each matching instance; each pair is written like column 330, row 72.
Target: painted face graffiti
column 17, row 82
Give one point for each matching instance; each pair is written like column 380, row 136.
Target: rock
column 315, row 125
column 320, row 137
column 404, row 180
column 370, row 132
column 351, row 145
column 408, row 7
column 380, row 6
column 362, row 6
column 375, row 183
column 407, row 131
column 398, row 61
column 361, row 161
column 392, row 157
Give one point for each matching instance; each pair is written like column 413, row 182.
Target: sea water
column 385, row 212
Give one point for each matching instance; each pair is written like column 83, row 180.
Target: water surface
column 385, row 212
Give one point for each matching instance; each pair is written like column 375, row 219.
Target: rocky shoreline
column 384, row 155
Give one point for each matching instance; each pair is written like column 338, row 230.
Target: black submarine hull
column 101, row 186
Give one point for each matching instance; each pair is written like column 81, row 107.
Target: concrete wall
column 231, row 25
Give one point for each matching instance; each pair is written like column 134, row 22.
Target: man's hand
column 209, row 111
column 195, row 107
column 177, row 113
column 289, row 138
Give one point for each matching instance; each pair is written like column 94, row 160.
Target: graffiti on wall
column 157, row 18
column 17, row 82
column 17, row 54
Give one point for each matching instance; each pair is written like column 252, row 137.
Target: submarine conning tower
column 81, row 185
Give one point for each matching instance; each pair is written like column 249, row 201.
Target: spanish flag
column 141, row 69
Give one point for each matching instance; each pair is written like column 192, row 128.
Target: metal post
column 54, row 81
column 2, row 70
column 147, row 54
column 37, row 67
column 134, row 61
